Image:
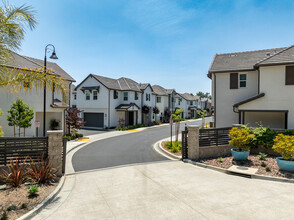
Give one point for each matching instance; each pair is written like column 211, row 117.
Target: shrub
column 23, row 206
column 175, row 147
column 240, row 138
column 268, row 169
column 263, row 164
column 4, row 216
column 168, row 145
column 33, row 190
column 41, row 171
column 16, row 174
column 220, row 159
column 12, row 207
column 54, row 124
column 262, row 156
column 284, row 144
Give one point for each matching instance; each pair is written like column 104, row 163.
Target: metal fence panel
column 214, row 136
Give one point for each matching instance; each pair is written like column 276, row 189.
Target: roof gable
column 19, row 61
column 241, row 60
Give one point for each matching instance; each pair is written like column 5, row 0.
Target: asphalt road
column 123, row 150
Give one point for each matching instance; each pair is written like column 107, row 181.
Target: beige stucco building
column 254, row 87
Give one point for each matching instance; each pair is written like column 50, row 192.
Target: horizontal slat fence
column 214, row 136
column 11, row 148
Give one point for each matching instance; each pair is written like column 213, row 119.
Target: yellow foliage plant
column 284, row 144
column 240, row 138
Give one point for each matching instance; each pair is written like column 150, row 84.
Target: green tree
column 13, row 23
column 20, row 115
column 202, row 114
column 177, row 116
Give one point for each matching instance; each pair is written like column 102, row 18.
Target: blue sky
column 165, row 42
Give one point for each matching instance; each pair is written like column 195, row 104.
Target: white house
column 191, row 104
column 254, row 87
column 148, row 99
column 165, row 100
column 104, row 101
column 55, row 107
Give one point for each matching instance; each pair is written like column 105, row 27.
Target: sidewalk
column 170, row 190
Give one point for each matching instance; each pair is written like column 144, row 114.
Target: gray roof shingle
column 19, row 61
column 159, row 90
column 189, row 97
column 284, row 56
column 123, row 84
column 241, row 60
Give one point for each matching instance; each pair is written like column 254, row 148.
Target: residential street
column 123, row 150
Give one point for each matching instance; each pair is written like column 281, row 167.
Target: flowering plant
column 284, row 144
column 240, row 138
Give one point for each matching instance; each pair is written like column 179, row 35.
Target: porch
column 130, row 113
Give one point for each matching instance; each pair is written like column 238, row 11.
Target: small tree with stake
column 73, row 121
column 177, row 119
column 20, row 115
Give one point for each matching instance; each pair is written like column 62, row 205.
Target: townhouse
column 55, row 106
column 254, row 87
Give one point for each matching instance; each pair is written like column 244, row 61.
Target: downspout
column 214, row 100
column 258, row 71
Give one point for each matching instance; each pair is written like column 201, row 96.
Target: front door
column 131, row 118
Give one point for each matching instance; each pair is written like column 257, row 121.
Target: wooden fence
column 12, row 147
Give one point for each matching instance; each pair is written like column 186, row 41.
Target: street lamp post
column 53, row 56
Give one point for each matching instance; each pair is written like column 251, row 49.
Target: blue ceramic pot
column 285, row 165
column 238, row 155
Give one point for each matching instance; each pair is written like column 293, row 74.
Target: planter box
column 240, row 155
column 285, row 165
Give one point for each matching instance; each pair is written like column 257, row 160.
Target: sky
column 165, row 42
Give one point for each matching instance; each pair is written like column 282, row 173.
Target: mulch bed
column 18, row 196
column 179, row 153
column 253, row 162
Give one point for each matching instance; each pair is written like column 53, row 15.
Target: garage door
column 94, row 119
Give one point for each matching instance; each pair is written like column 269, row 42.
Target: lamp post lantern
column 53, row 56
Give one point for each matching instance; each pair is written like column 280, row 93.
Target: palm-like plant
column 13, row 23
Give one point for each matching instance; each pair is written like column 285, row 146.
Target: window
column 75, row 96
column 126, row 94
column 136, row 96
column 179, row 102
column 158, row 99
column 191, row 102
column 243, row 80
column 95, row 95
column 88, row 95
column 149, row 97
column 234, row 81
column 115, row 94
column 289, row 75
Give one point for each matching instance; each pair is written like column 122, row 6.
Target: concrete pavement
column 170, row 190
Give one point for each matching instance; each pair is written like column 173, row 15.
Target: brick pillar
column 193, row 142
column 55, row 147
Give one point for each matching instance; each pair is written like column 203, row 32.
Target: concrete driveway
column 172, row 190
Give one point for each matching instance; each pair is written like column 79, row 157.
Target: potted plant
column 240, row 140
column 284, row 144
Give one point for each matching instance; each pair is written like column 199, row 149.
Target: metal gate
column 185, row 144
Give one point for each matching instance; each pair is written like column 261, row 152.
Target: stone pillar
column 55, row 148
column 193, row 142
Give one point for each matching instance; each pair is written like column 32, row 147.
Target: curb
column 169, row 154
column 44, row 203
column 82, row 143
column 252, row 176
